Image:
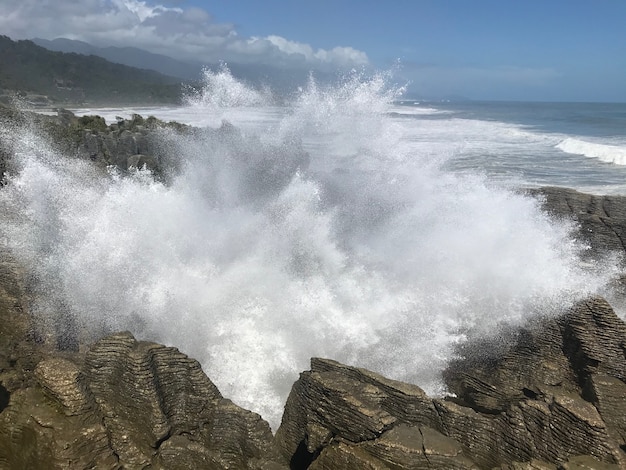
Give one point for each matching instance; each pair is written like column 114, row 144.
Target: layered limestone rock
column 127, row 144
column 602, row 219
column 601, row 224
column 556, row 394
column 18, row 352
column 130, row 404
column 553, row 397
column 152, row 144
column 123, row 404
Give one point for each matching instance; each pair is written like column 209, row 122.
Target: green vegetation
column 95, row 123
column 47, row 77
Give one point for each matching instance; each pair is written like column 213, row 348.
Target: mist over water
column 319, row 233
column 221, row 90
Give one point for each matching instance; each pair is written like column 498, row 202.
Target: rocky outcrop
column 130, row 404
column 121, row 404
column 127, row 144
column 344, row 417
column 19, row 353
column 551, row 395
column 554, row 398
column 556, row 394
column 602, row 219
column 149, row 143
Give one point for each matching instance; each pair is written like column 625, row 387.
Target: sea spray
column 256, row 255
column 221, row 90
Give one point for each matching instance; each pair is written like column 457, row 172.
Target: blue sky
column 531, row 49
column 556, row 50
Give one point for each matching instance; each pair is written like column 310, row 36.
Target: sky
column 541, row 50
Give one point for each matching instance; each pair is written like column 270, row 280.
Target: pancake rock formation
column 548, row 395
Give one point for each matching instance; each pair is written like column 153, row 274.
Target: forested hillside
column 54, row 77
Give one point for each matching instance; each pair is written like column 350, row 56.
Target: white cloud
column 339, row 56
column 184, row 33
column 142, row 10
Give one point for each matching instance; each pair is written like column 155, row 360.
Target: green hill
column 52, row 77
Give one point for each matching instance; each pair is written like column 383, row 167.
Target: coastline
column 123, row 402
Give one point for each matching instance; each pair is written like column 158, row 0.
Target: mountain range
column 279, row 79
column 48, row 73
column 130, row 56
column 44, row 77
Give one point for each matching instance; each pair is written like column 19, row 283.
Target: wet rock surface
column 557, row 393
column 602, row 219
column 551, row 396
column 122, row 403
column 130, row 404
column 556, row 398
column 127, row 144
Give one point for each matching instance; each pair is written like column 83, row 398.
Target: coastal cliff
column 553, row 395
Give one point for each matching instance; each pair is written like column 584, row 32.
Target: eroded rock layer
column 602, row 219
column 130, row 404
column 556, row 394
column 552, row 395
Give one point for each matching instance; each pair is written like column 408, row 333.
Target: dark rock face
column 90, row 138
column 344, row 417
column 544, row 382
column 127, row 144
column 134, row 405
column 602, row 219
column 122, row 404
column 556, row 398
column 18, row 352
column 556, row 393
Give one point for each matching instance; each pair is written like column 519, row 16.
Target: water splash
column 220, row 89
column 257, row 256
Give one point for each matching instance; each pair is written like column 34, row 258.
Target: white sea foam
column 221, row 90
column 607, row 153
column 253, row 261
column 415, row 111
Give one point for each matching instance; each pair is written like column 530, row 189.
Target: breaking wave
column 607, row 153
column 322, row 235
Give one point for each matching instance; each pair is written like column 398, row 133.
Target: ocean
column 516, row 144
column 343, row 222
column 577, row 145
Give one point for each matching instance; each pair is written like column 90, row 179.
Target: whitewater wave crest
column 607, row 153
